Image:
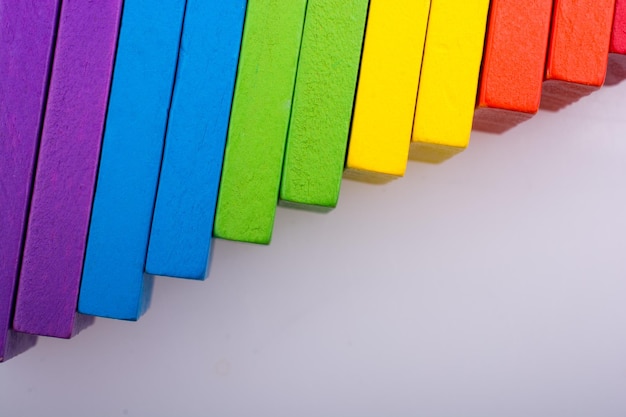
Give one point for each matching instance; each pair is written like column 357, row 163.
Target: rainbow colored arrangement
column 132, row 134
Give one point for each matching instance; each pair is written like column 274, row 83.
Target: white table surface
column 493, row 285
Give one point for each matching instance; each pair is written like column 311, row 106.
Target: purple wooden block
column 27, row 32
column 66, row 169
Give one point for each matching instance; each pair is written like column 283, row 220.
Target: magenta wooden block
column 66, row 169
column 27, row 33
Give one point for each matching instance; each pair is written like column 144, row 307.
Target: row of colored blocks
column 180, row 115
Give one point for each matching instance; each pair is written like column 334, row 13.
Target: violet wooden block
column 66, row 169
column 27, row 34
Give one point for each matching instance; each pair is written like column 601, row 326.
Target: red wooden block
column 513, row 63
column 578, row 50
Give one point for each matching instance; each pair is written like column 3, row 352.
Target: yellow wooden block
column 449, row 80
column 387, row 90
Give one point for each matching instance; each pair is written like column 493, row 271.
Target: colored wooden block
column 513, row 63
column 114, row 284
column 323, row 101
column 618, row 31
column 66, row 169
column 182, row 226
column 27, row 32
column 387, row 89
column 447, row 92
column 578, row 50
column 259, row 120
column 616, row 71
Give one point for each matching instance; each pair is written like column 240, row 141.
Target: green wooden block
column 323, row 101
column 259, row 121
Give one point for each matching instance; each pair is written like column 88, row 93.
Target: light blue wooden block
column 113, row 282
column 183, row 218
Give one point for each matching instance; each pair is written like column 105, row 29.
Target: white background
column 493, row 285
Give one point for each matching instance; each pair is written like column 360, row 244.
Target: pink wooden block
column 617, row 57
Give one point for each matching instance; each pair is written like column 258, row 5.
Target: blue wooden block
column 113, row 282
column 194, row 148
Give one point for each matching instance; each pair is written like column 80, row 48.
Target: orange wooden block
column 617, row 57
column 578, row 50
column 513, row 63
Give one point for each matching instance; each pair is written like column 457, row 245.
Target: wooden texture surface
column 180, row 239
column 259, row 120
column 66, row 169
column 387, row 90
column 113, row 279
column 27, row 32
column 447, row 92
column 617, row 58
column 323, row 100
column 578, row 50
column 513, row 64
